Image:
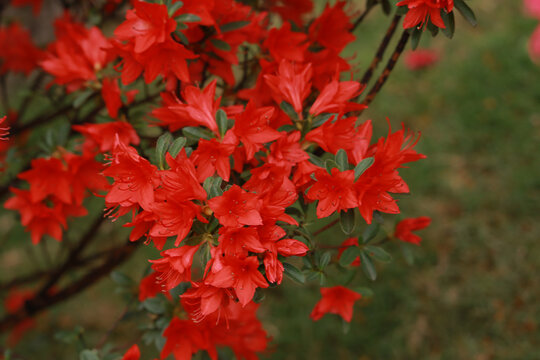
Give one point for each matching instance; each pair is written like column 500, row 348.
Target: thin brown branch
column 363, row 16
column 326, row 227
column 381, row 50
column 41, row 302
column 388, row 69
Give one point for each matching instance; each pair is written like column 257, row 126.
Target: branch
column 388, row 69
column 363, row 16
column 326, row 227
column 381, row 50
column 41, row 302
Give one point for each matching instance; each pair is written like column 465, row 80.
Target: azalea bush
column 227, row 135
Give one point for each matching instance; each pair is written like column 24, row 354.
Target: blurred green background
column 473, row 290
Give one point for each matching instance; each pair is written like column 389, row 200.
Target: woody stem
column 388, row 69
column 326, row 227
column 363, row 16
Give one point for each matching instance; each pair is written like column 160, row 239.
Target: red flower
column 285, row 44
column 292, row 9
column 292, row 84
column 252, row 128
column 532, row 8
column 336, row 300
column 147, row 25
column 534, row 45
column 111, row 94
column 238, row 241
column 48, row 177
column 18, row 51
column 333, row 98
column 77, row 54
column 236, row 207
column 420, row 59
column 86, row 174
column 4, row 131
column 105, row 135
column 335, row 192
column 14, row 302
column 202, row 300
column 242, row 274
column 185, row 338
column 212, row 156
column 134, row 179
column 175, row 266
column 132, row 354
column 287, row 150
column 421, row 10
column 333, row 28
column 149, row 287
column 36, row 4
column 405, row 228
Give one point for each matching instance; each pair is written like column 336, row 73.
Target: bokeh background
column 473, row 290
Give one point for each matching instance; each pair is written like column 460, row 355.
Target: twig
column 363, row 16
column 326, row 227
column 388, row 69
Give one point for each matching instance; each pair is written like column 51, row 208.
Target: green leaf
column 122, row 279
column 341, row 160
column 402, row 10
column 325, row 259
column 163, row 143
column 221, row 45
column 89, row 355
column 329, row 164
column 368, row 267
column 387, row 8
column 408, row 255
column 221, row 120
column 287, row 128
column 235, row 25
column 177, row 146
column 362, row 167
column 174, row 7
column 449, row 22
column 378, row 253
column 433, row 29
column 349, row 255
column 154, row 305
column 370, row 232
column 81, row 98
column 183, row 38
column 188, row 18
column 347, row 221
column 364, row 291
column 315, row 160
column 415, row 37
column 288, row 109
column 196, row 133
column 321, row 119
column 466, row 12
column 294, row 273
column 212, row 186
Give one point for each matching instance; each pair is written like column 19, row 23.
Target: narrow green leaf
column 188, row 18
column 364, row 291
column 449, row 22
column 81, row 98
column 163, row 143
column 89, row 355
column 154, row 305
column 287, row 128
column 196, row 133
column 407, row 253
column 174, row 7
column 341, row 160
column 221, row 45
column 329, row 164
column 294, row 273
column 415, row 38
column 362, row 167
column 221, row 120
column 122, row 279
column 349, row 255
column 433, row 29
column 466, row 12
column 387, row 8
column 321, row 119
column 288, row 109
column 177, row 146
column 315, row 160
column 368, row 267
column 347, row 221
column 325, row 259
column 370, row 232
column 378, row 253
column 235, row 25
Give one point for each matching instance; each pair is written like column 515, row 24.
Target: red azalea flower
column 285, row 44
column 4, row 131
column 334, row 97
column 421, row 59
column 134, row 179
column 112, row 95
column 48, row 177
column 238, row 241
column 287, row 150
column 332, row 29
column 147, row 25
column 532, row 8
column 252, row 128
column 292, row 84
column 175, row 266
column 421, row 10
column 242, row 274
column 202, row 300
column 185, row 338
column 335, row 192
column 19, row 54
column 106, row 135
column 336, row 300
column 405, row 228
column 86, row 174
column 534, row 45
column 210, row 157
column 132, row 354
column 15, row 300
column 236, row 208
column 292, row 9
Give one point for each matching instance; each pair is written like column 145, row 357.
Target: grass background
column 473, row 291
